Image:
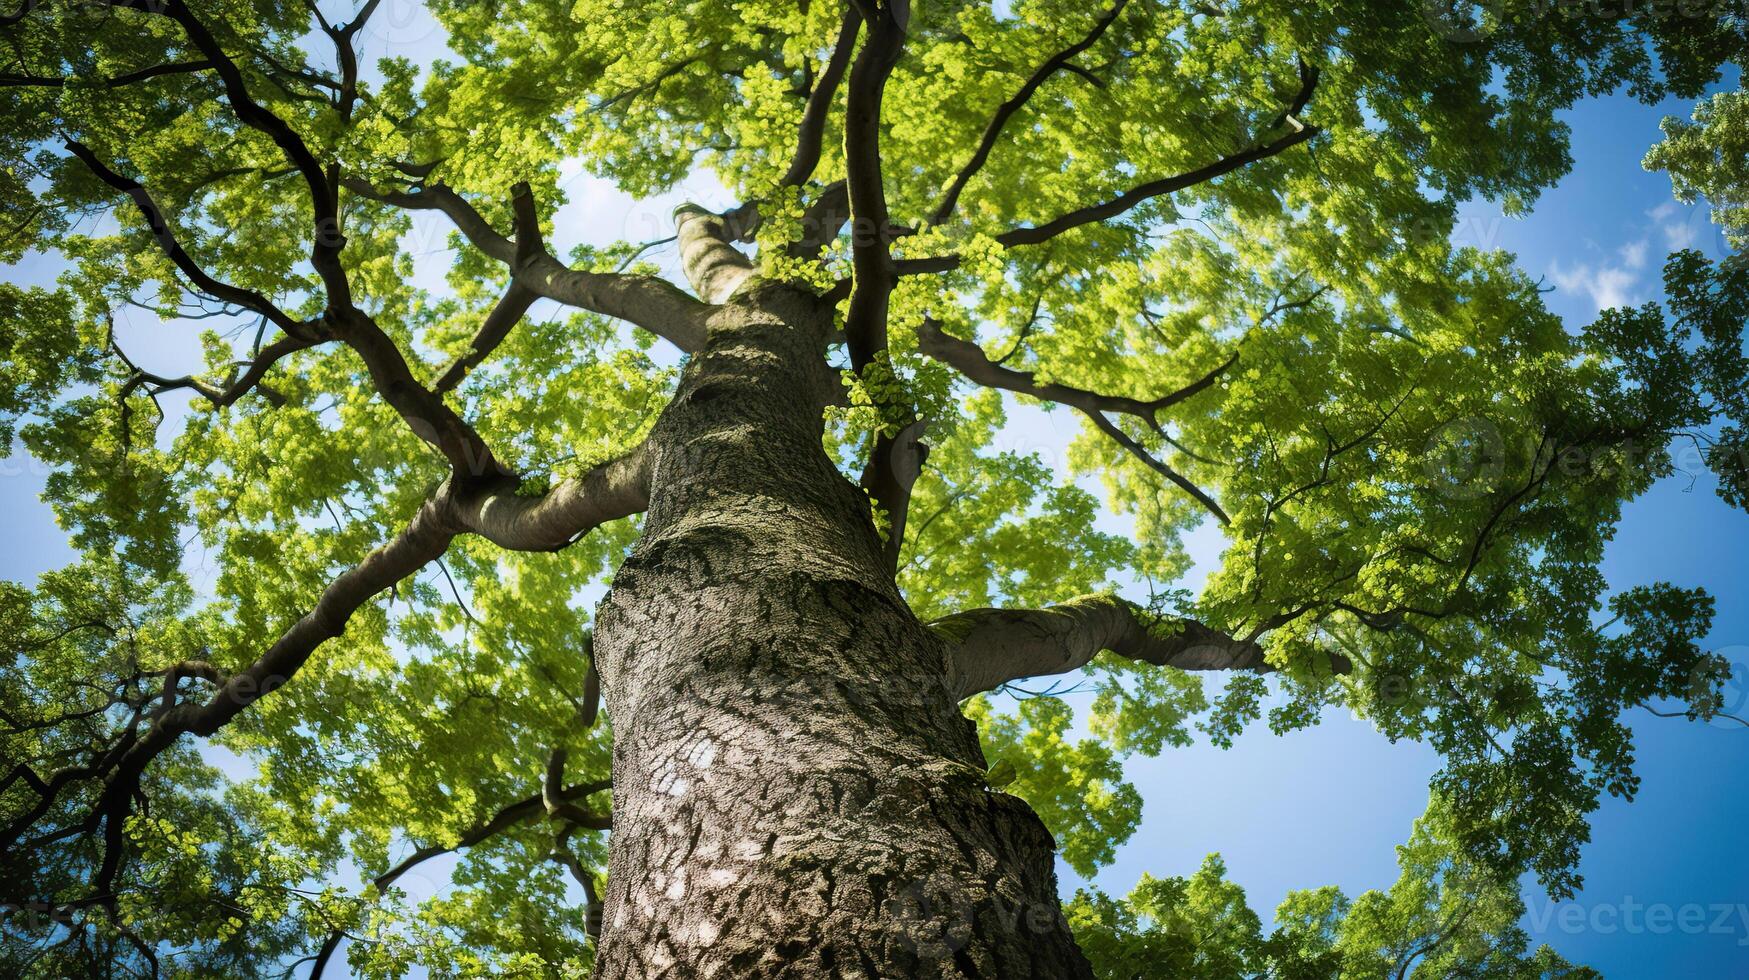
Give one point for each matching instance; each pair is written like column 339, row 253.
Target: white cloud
column 1610, row 287
column 1633, row 254
column 1676, row 224
column 1607, row 285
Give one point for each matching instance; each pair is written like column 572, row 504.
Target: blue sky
column 1327, row 805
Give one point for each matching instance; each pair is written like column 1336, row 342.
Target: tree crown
column 1218, row 233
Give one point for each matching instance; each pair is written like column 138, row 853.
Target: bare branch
column 159, row 226
column 240, row 385
column 324, row 197
column 1299, row 133
column 1158, row 465
column 653, row 85
column 424, row 410
column 573, row 817
column 969, row 359
column 505, row 818
column 1006, row 111
column 8, row 80
column 511, row 307
column 431, row 196
column 527, row 808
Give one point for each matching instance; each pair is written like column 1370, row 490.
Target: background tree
column 1443, row 918
column 1218, row 233
column 1706, row 158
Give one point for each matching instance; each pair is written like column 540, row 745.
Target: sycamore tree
column 333, row 614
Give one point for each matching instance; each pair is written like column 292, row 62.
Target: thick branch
column 592, row 908
column 865, row 327
column 900, row 457
column 425, row 538
column 991, row 647
column 1006, row 111
column 424, row 410
column 346, row 53
column 504, row 317
column 615, row 489
column 650, row 302
column 822, row 220
column 812, row 131
column 742, row 221
column 713, row 266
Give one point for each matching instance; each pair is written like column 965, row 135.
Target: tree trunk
column 796, row 793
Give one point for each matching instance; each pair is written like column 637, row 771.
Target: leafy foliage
column 1442, row 918
column 1705, row 157
column 1418, row 466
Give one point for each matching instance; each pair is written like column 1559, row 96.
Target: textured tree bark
column 796, row 792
